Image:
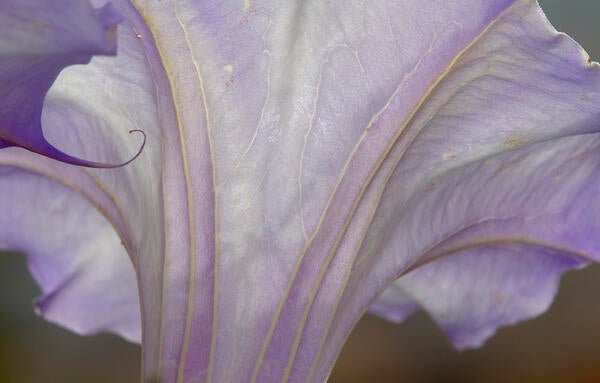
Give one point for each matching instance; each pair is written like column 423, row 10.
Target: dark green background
column 561, row 346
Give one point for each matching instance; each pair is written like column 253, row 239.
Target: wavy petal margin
column 302, row 157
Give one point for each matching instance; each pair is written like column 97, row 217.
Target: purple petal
column 87, row 280
column 474, row 292
column 82, row 117
column 302, row 156
column 252, row 89
column 394, row 304
column 39, row 39
column 277, row 175
column 492, row 100
column 482, row 210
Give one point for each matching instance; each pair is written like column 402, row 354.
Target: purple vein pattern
column 304, row 161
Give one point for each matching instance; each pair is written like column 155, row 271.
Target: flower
column 303, row 162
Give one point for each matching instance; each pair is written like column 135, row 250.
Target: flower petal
column 87, row 279
column 474, row 292
column 258, row 195
column 88, row 112
column 519, row 83
column 282, row 135
column 39, row 39
column 486, row 210
column 288, row 125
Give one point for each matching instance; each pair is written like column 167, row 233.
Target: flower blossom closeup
column 235, row 183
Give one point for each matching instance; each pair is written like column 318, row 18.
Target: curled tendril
column 47, row 150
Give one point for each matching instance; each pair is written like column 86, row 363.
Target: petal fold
column 495, row 126
column 302, row 156
column 38, row 39
column 87, row 280
column 490, row 238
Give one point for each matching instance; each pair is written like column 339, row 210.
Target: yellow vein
column 322, row 218
column 215, row 226
column 162, row 191
column 449, row 253
column 187, row 182
column 389, row 175
column 372, row 215
column 166, row 255
column 189, row 197
column 357, row 201
column 339, row 295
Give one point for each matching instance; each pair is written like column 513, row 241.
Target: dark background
column 562, row 346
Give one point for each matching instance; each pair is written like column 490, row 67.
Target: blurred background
column 560, row 346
